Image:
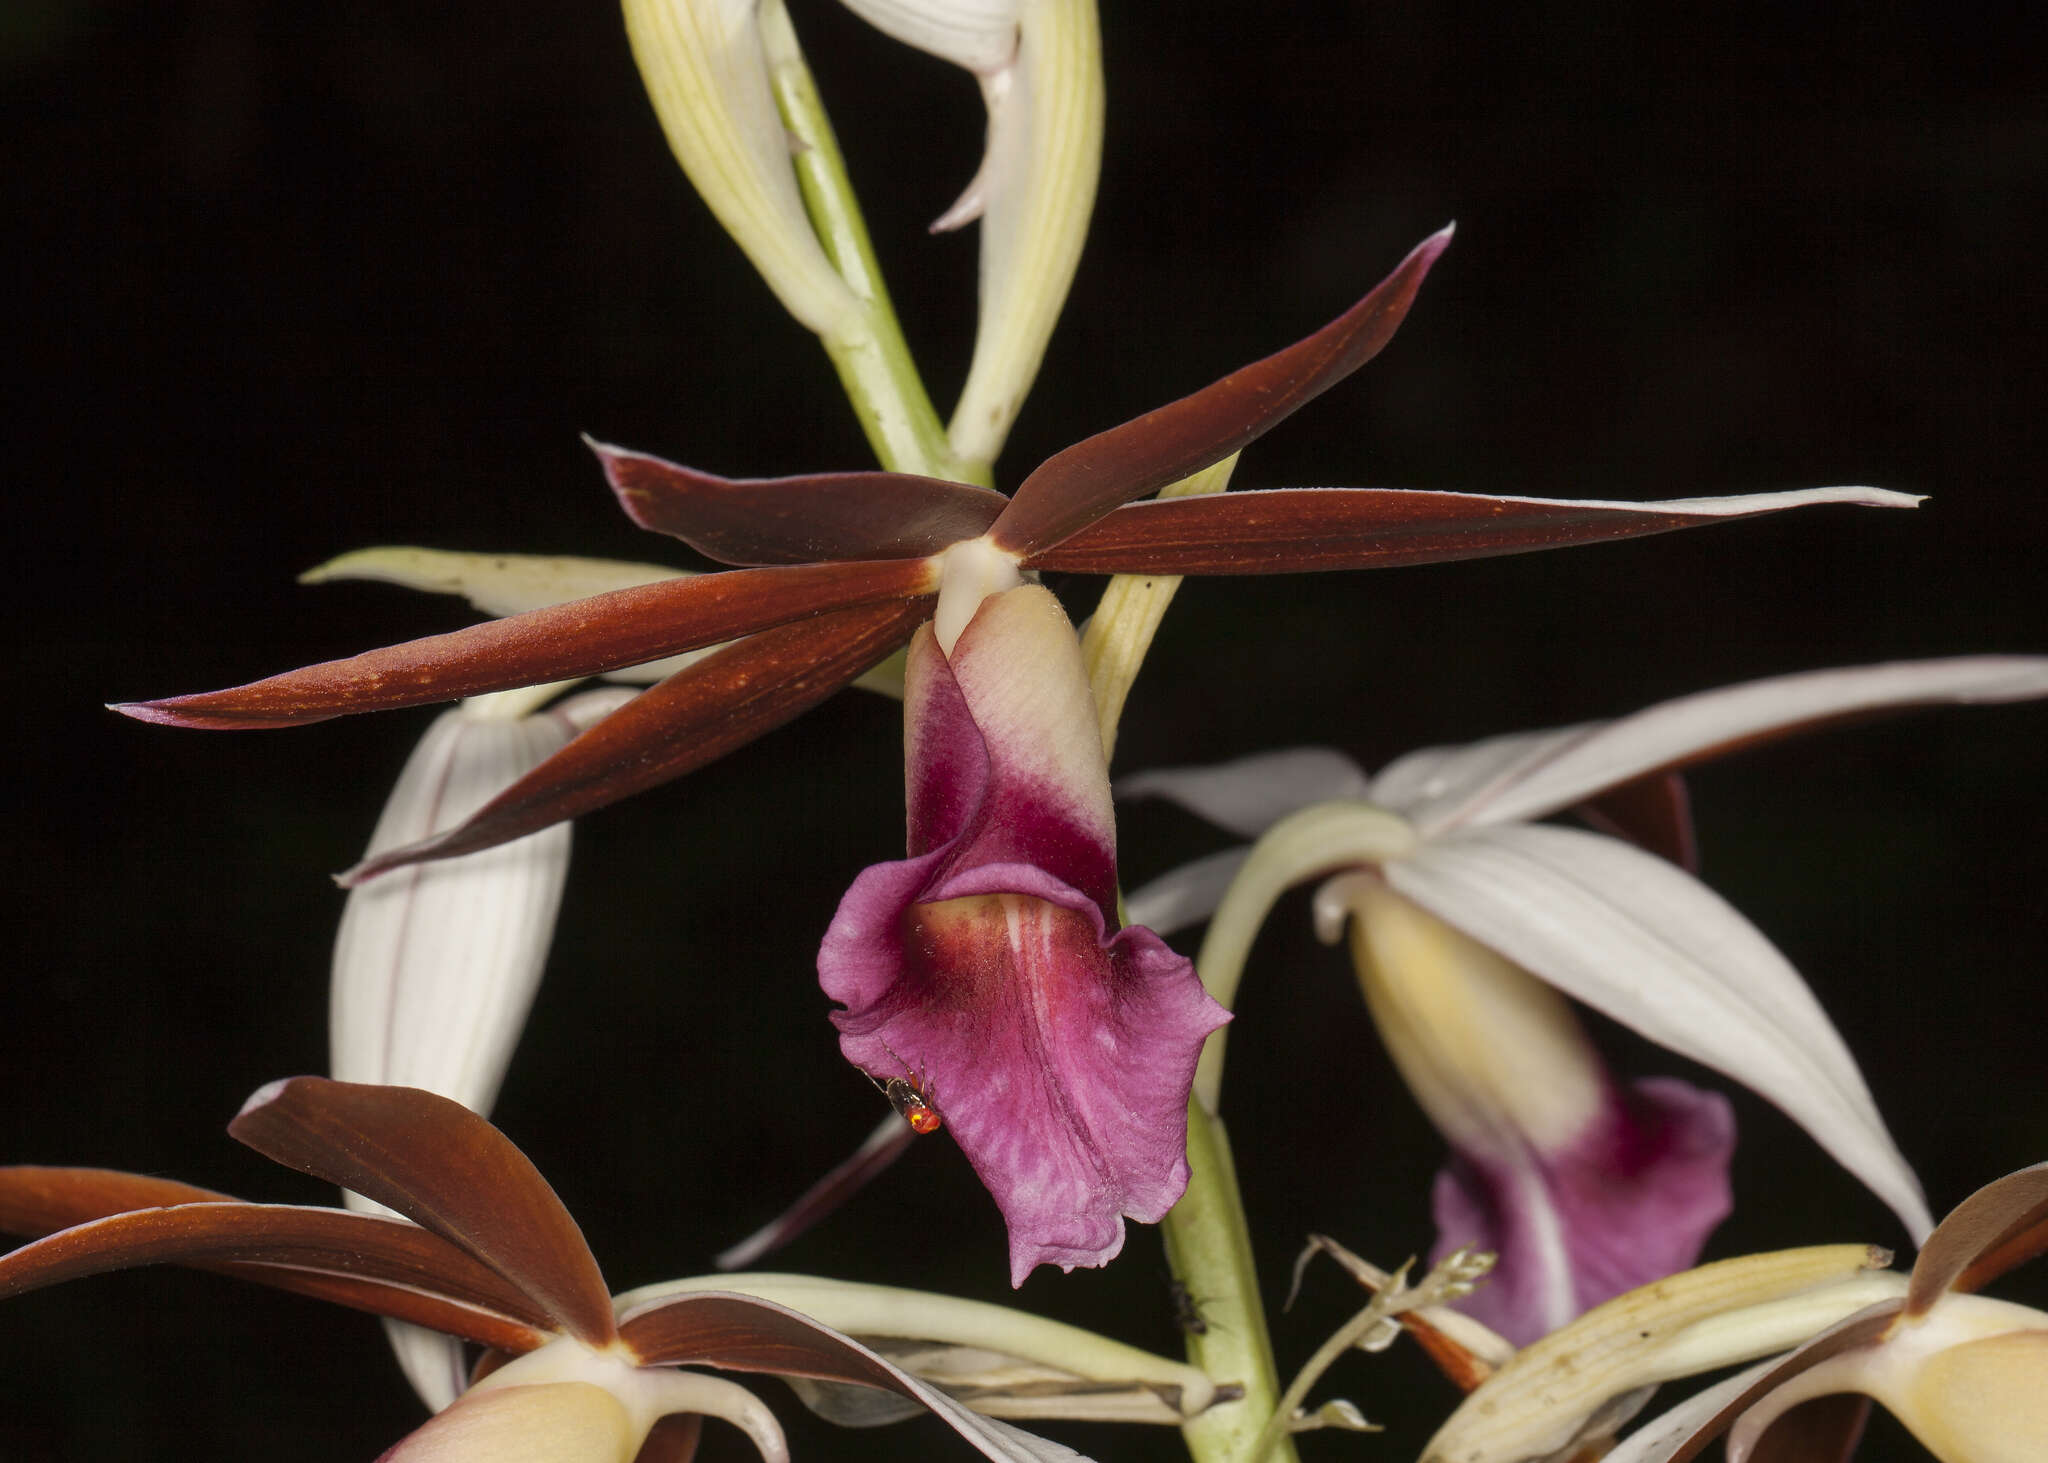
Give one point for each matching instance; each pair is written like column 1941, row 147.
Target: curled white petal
column 1630, row 935
column 1187, row 895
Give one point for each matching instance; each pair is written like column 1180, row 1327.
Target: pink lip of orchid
column 1582, row 1191
column 492, row 1257
column 846, row 565
column 1058, row 1055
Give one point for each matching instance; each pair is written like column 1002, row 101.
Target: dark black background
column 294, row 279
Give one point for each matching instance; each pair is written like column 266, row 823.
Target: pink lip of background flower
column 845, row 566
column 1059, row 1056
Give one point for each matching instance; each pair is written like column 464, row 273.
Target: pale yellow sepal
column 1558, row 1389
column 999, row 1361
column 1119, row 633
column 708, row 79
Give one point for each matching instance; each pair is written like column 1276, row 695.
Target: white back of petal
column 1251, row 794
column 1186, row 896
column 1513, row 779
column 1631, row 936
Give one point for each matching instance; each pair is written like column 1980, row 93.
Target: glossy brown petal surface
column 1994, row 1229
column 580, row 638
column 437, row 1163
column 1652, row 812
column 1858, row 1330
column 797, row 520
column 360, row 1260
column 1824, row 1430
column 1072, row 489
column 1304, row 530
column 693, row 718
column 713, row 1328
column 36, row 1201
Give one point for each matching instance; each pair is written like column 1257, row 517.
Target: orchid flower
column 1468, row 919
column 492, row 1257
column 847, row 565
column 981, row 967
column 436, row 966
column 1967, row 1374
column 1963, row 1372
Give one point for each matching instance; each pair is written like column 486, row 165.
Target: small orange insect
column 911, row 1095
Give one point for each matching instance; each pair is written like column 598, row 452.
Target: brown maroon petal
column 797, row 520
column 1823, row 1430
column 38, row 1201
column 1653, row 812
column 1994, row 1229
column 437, row 1163
column 1304, row 530
column 1859, row 1329
column 1072, row 489
column 691, row 719
column 738, row 1332
column 360, row 1260
column 672, row 1440
column 583, row 637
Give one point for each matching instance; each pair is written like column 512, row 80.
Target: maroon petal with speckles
column 693, row 718
column 1071, row 489
column 442, row 1166
column 1308, row 530
column 797, row 520
column 581, row 638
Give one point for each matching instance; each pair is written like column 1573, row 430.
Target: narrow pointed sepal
column 1073, row 488
column 1306, row 530
column 693, row 718
column 385, row 1266
column 581, row 638
column 442, row 1166
column 797, row 520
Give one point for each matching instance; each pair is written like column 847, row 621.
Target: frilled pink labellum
column 1059, row 1055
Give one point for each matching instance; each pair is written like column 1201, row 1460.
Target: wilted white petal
column 708, row 78
column 1514, row 779
column 1186, row 896
column 1251, row 794
column 1579, row 1380
column 1631, row 936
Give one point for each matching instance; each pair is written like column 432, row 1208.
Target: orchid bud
column 707, row 75
column 1039, row 63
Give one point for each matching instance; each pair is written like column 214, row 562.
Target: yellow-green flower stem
column 1208, row 1246
column 1128, row 615
column 872, row 357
